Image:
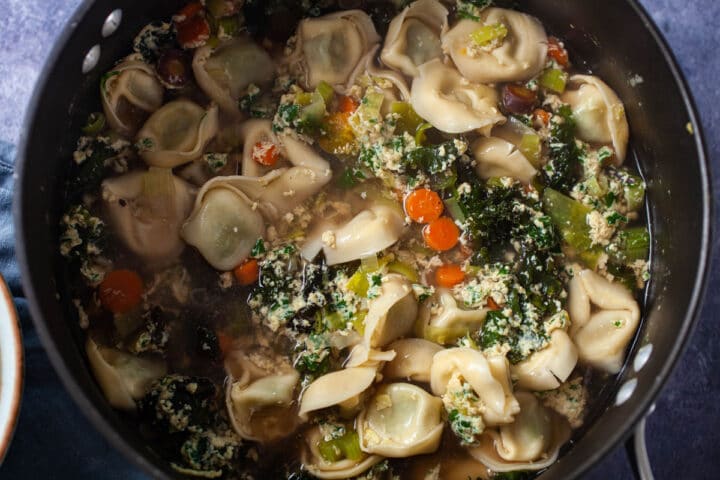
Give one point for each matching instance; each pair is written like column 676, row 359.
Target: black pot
column 615, row 39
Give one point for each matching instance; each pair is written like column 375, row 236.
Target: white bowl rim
column 11, row 368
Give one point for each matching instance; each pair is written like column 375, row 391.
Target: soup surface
column 311, row 241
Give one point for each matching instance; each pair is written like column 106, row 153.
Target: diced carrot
column 423, row 205
column 193, row 29
column 449, row 275
column 542, row 115
column 442, row 234
column 347, row 104
column 247, row 273
column 491, row 304
column 121, row 291
column 557, row 52
column 266, row 153
column 225, row 342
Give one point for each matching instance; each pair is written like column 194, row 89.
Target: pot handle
column 636, row 450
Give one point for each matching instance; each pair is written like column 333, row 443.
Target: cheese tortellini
column 519, row 56
column 400, row 420
column 322, row 468
column 330, row 48
column 531, row 442
column 599, row 114
column 602, row 333
column 443, row 321
column 413, row 37
column 451, row 103
column 548, row 368
column 496, row 157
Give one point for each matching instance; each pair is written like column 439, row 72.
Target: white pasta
column 496, row 157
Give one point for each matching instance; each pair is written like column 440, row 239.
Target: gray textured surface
column 55, row 441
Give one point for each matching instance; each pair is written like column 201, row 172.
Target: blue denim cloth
column 55, row 440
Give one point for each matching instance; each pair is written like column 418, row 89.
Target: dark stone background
column 53, row 438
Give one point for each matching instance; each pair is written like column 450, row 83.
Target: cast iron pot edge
column 94, row 415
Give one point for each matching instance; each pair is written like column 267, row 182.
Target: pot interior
column 612, row 39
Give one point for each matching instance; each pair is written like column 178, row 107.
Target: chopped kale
column 213, row 450
column 153, row 335
column 154, row 39
column 471, row 9
column 178, row 403
column 562, row 171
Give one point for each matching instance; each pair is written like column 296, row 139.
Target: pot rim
column 647, row 397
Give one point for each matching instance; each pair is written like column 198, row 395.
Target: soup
column 316, row 242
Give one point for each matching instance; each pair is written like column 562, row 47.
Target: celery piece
column 408, row 121
column 350, row 445
column 230, row 26
column 634, row 193
column 453, row 207
column 326, row 91
column 403, row 269
column 630, row 245
column 593, row 187
column 358, row 283
column 444, row 335
column 329, row 451
column 591, row 258
column 553, row 79
column 569, row 216
column 95, row 124
column 303, row 98
column 312, row 115
column 334, row 321
column 420, row 135
column 531, row 147
column 369, row 263
column 358, row 321
column 488, row 34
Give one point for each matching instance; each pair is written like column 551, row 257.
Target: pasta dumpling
column 531, row 442
column 496, row 157
column 452, row 104
column 599, row 114
column 130, row 92
column 412, row 361
column 518, row 56
column 602, row 333
column 336, row 387
column 177, row 133
column 413, row 37
column 223, row 72
column 330, row 48
column 147, row 210
column 489, row 378
column 443, row 321
column 392, row 314
column 123, row 377
column 548, row 368
column 322, row 468
column 400, row 420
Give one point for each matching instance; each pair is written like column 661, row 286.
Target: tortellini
column 330, row 48
column 413, row 37
column 321, row 468
column 130, row 92
column 147, row 210
column 443, row 321
column 489, row 377
column 177, row 133
column 400, row 420
column 336, row 388
column 224, row 74
column 519, row 56
column 496, row 157
column 223, row 226
column 452, row 104
column 413, row 359
column 259, row 400
column 603, row 333
column 252, row 133
column 392, row 313
column 599, row 114
column 123, row 377
column 548, row 368
column 369, row 232
column 230, row 212
column 531, row 442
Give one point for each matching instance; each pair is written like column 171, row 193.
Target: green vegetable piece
column 334, row 321
column 345, row 447
column 531, row 148
column 368, row 111
column 229, row 25
column 553, row 79
column 408, row 120
column 95, row 124
column 403, row 269
column 454, row 209
column 329, row 451
column 630, row 245
column 420, row 135
column 325, row 91
column 303, row 98
column 358, row 283
column 358, row 321
column 569, row 216
column 634, row 193
column 488, row 34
